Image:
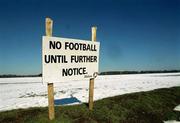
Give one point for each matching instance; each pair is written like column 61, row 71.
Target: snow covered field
column 30, row 92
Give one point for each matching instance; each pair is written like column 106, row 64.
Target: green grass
column 142, row 107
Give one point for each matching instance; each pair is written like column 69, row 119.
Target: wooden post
column 49, row 24
column 91, row 82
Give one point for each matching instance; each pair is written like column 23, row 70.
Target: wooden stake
column 93, row 29
column 91, row 82
column 51, row 101
column 49, row 24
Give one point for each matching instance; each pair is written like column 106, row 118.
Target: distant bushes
column 12, row 75
column 137, row 72
column 101, row 73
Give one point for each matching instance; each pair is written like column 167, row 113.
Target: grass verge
column 142, row 107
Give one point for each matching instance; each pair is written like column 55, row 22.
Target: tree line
column 137, row 72
column 101, row 73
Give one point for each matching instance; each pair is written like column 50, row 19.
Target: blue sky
column 134, row 34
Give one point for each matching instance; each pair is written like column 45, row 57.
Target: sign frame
column 66, row 59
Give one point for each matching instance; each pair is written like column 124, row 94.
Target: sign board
column 67, row 59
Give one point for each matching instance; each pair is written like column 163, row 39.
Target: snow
column 177, row 108
column 171, row 121
column 31, row 92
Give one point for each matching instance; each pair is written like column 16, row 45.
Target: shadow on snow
column 66, row 101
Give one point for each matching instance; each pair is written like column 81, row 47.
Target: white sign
column 65, row 59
